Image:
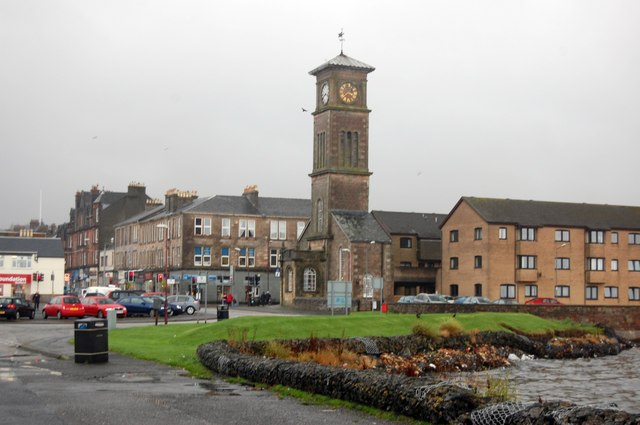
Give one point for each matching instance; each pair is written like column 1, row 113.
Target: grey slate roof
column 240, row 205
column 425, row 226
column 343, row 61
column 541, row 213
column 360, row 226
column 44, row 247
column 144, row 215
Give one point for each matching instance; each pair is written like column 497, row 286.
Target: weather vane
column 341, row 38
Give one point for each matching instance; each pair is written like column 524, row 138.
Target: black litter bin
column 91, row 340
column 223, row 312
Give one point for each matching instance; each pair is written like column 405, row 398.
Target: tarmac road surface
column 40, row 383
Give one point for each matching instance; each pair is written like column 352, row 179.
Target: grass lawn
column 176, row 344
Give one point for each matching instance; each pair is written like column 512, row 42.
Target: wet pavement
column 41, row 383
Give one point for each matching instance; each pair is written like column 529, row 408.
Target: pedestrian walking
column 36, row 300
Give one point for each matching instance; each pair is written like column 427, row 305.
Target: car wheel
column 170, row 312
column 100, row 314
column 32, row 315
column 44, row 315
column 59, row 315
column 17, row 315
column 151, row 313
column 190, row 310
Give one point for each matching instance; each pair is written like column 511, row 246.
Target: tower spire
column 341, row 38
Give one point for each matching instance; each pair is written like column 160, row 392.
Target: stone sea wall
column 422, row 398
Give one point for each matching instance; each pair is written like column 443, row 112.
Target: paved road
column 41, row 384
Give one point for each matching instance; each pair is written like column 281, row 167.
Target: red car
column 63, row 306
column 98, row 306
column 544, row 301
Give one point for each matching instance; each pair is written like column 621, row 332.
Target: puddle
column 214, row 389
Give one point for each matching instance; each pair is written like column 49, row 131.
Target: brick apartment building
column 578, row 253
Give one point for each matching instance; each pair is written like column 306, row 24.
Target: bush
column 422, row 329
column 277, row 350
column 450, row 327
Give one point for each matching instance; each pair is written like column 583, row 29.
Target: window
column 502, row 233
column 562, row 291
column 562, row 263
column 614, row 239
column 21, row 262
column 453, row 263
column 508, row 290
column 224, row 257
column 634, row 293
column 477, row 233
column 527, row 234
column 278, row 230
column 273, row 258
column 197, row 256
column 405, row 242
column 526, row 261
column 477, row 261
column 300, row 228
column 246, row 228
column 592, row 292
column 309, row 282
column 531, row 290
column 634, row 238
column 289, row 279
column 611, row 292
column 367, row 291
column 206, row 256
column 453, row 290
column 614, row 265
column 225, row 230
column 595, row 264
column 477, row 290
column 595, row 236
column 202, row 226
column 453, row 236
column 562, row 235
column 634, row 265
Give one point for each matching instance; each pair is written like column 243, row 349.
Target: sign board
column 171, row 281
column 201, row 279
column 339, row 294
column 377, row 283
column 213, row 277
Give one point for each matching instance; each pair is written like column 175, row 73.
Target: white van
column 102, row 290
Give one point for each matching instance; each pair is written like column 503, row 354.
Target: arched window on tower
column 309, row 283
column 348, row 150
column 319, row 216
column 354, row 149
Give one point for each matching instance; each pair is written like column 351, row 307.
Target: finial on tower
column 341, row 38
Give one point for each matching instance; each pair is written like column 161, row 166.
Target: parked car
column 15, row 308
column 472, row 300
column 407, row 299
column 430, row 299
column 139, row 305
column 98, row 306
column 122, row 293
column 189, row 304
column 506, row 301
column 544, row 301
column 154, row 294
column 449, row 298
column 63, row 306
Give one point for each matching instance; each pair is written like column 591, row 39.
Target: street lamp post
column 166, row 268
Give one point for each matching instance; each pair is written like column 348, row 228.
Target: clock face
column 324, row 93
column 348, row 93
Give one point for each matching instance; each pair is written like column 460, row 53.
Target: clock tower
column 340, row 175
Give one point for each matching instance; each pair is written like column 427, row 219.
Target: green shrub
column 450, row 327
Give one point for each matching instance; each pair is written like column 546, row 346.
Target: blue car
column 144, row 306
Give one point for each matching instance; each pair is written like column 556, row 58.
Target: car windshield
column 437, row 298
column 71, row 300
column 104, row 301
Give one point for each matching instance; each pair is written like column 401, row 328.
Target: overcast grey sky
column 529, row 99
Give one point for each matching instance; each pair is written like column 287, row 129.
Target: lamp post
column 166, row 267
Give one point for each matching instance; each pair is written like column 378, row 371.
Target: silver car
column 430, row 299
column 189, row 304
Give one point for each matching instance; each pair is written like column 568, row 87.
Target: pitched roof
column 425, row 226
column 343, row 61
column 360, row 226
column 240, row 205
column 44, row 247
column 541, row 213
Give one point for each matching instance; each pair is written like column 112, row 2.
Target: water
column 598, row 382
